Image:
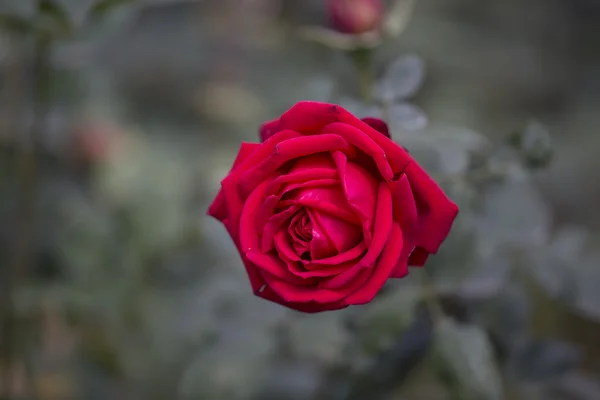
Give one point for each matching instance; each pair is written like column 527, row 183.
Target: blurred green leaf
column 402, row 79
column 360, row 108
column 54, row 19
column 506, row 318
column 544, row 360
column 21, row 8
column 101, row 9
column 514, row 214
column 534, row 144
column 388, row 317
column 393, row 365
column 398, row 17
column 465, row 356
column 453, row 146
column 15, row 24
column 406, row 117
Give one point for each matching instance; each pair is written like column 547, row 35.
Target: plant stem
column 430, row 296
column 364, row 72
column 13, row 329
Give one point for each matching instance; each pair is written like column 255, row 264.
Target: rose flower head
column 355, row 16
column 327, row 208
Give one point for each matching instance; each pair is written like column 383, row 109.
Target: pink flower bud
column 355, row 16
column 92, row 142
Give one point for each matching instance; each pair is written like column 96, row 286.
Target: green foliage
column 465, row 357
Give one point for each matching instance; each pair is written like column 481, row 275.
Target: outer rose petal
column 268, row 129
column 378, row 124
column 382, row 270
column 436, row 212
column 233, row 198
column 310, row 307
column 218, row 208
column 418, row 257
column 309, row 116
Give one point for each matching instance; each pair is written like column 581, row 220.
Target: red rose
column 327, row 208
column 355, row 16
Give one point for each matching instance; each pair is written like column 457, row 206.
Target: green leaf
column 465, row 356
column 534, row 144
column 15, row 24
column 54, row 19
column 402, row 79
column 544, row 360
column 103, row 7
column 398, row 17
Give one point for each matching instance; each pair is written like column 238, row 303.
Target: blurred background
column 118, row 120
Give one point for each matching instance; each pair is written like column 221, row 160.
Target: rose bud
column 92, row 142
column 355, row 16
column 327, row 208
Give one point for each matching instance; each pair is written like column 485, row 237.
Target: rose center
column 301, row 233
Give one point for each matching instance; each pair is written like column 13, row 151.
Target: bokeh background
column 119, row 119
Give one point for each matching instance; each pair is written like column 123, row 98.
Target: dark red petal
column 378, row 124
column 418, row 257
column 268, row 129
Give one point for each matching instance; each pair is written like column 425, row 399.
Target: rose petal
column 331, row 270
column 288, row 150
column 321, row 245
column 272, row 226
column 401, row 268
column 336, row 210
column 342, row 234
column 233, row 199
column 249, row 235
column 254, row 275
column 405, row 207
column 436, row 211
column 319, row 161
column 382, row 270
column 284, row 247
column 342, row 258
column 311, row 307
column 363, row 142
column 382, row 226
column 300, row 294
column 345, row 278
column 274, row 266
column 268, row 129
column 309, row 116
column 218, row 208
column 360, row 189
column 418, row 257
column 301, row 175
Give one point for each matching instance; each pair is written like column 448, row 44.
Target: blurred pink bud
column 355, row 16
column 94, row 141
